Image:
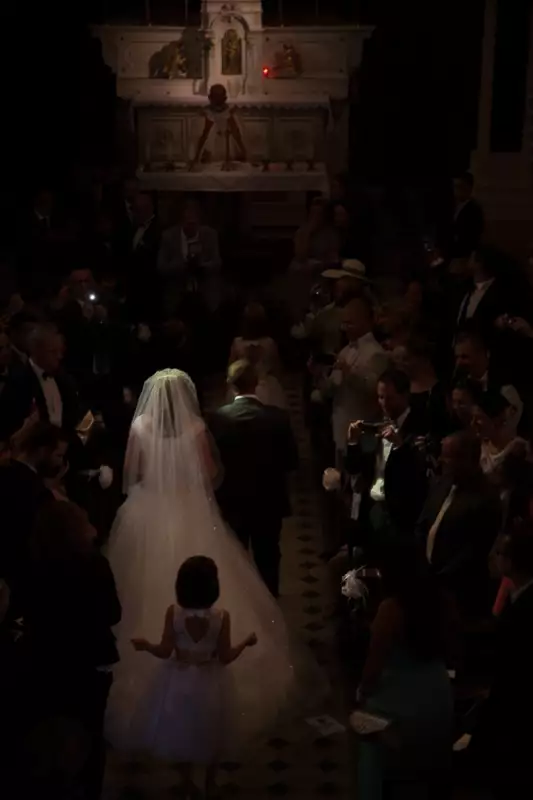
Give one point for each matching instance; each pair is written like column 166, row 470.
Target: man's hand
column 516, row 324
column 355, row 429
column 392, row 435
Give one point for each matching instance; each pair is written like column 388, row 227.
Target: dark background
column 414, row 100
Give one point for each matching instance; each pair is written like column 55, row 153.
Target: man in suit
column 468, row 223
column 388, row 465
column 189, row 259
column 41, row 384
column 257, row 450
column 40, row 454
column 459, row 523
column 502, row 736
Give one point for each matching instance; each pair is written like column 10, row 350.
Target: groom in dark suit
column 257, row 450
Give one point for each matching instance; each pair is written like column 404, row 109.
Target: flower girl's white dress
column 185, row 715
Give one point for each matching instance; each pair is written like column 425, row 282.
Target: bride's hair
column 163, row 387
column 197, row 585
column 163, row 450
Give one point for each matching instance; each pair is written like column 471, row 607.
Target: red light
column 266, row 72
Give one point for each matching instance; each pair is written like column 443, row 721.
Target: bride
column 170, row 515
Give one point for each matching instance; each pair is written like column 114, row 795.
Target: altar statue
column 231, row 53
column 221, row 139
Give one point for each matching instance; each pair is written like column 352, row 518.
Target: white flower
column 353, row 587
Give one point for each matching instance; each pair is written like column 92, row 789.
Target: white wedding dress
column 170, row 514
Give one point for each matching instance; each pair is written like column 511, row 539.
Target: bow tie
column 46, row 376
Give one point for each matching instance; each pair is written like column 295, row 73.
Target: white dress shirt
column 377, row 492
column 430, row 544
column 355, row 396
column 52, row 395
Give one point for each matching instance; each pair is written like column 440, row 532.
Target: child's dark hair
column 197, row 585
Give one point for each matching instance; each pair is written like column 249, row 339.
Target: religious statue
column 231, row 53
column 288, row 61
column 170, row 62
column 221, row 139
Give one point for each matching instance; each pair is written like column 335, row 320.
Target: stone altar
column 289, row 87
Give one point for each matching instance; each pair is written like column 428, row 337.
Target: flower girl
column 185, row 716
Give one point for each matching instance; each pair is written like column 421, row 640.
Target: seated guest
column 39, row 453
column 388, row 463
column 41, row 383
column 405, row 680
column 468, row 220
column 459, row 523
column 498, row 442
column 71, row 605
column 428, row 395
column 501, row 738
column 472, row 360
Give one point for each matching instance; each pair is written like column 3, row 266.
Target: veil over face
column 163, row 450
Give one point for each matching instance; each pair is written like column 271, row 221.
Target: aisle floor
column 297, row 762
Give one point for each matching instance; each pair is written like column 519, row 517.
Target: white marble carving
column 282, row 112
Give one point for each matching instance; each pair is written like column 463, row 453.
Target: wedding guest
column 498, row 443
column 40, row 452
column 389, row 466
column 405, row 681
column 462, row 401
column 473, row 361
column 260, row 349
column 459, row 523
column 189, row 257
column 428, row 395
column 187, row 718
column 71, row 605
column 258, row 450
column 468, row 220
column 354, row 377
column 41, row 383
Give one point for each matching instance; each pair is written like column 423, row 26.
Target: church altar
column 287, row 97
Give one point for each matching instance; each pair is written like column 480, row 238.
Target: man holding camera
column 387, row 466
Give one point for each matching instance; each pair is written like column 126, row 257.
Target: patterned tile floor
column 297, row 763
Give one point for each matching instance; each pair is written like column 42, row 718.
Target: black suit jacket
column 69, row 609
column 23, row 389
column 405, row 473
column 22, row 495
column 257, row 450
column 467, row 230
column 464, row 538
